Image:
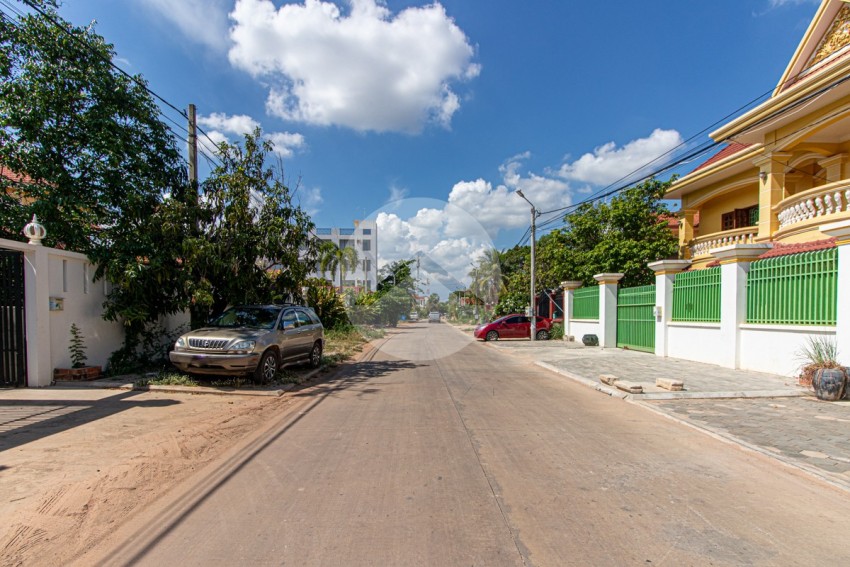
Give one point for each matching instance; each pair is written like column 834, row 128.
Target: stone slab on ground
column 629, row 386
column 608, row 379
column 670, row 384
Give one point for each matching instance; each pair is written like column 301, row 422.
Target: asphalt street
column 437, row 450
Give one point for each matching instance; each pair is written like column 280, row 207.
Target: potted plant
column 822, row 370
column 79, row 370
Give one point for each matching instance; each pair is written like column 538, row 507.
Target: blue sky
column 459, row 102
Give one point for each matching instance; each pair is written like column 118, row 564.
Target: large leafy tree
column 86, row 139
column 621, row 235
column 251, row 243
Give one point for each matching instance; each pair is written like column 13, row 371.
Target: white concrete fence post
column 735, row 263
column 569, row 288
column 665, row 275
column 608, row 308
column 841, row 232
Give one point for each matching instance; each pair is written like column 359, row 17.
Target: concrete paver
column 770, row 414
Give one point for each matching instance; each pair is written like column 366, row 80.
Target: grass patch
column 342, row 344
column 167, row 378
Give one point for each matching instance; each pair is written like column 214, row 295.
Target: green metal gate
column 635, row 319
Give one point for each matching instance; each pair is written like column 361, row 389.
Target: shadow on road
column 23, row 421
column 353, row 376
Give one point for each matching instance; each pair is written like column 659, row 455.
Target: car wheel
column 491, row 336
column 267, row 369
column 543, row 335
column 316, row 355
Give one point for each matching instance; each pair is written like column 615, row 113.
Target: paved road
column 447, row 452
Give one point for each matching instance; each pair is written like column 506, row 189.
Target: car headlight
column 243, row 345
column 180, row 344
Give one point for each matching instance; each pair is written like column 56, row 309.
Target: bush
column 327, row 304
column 556, row 331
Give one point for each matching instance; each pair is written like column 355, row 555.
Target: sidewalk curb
column 203, row 390
column 725, row 437
column 644, row 401
column 598, row 386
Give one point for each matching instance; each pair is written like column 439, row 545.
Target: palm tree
column 333, row 258
column 487, row 279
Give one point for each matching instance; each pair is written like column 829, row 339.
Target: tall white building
column 364, row 239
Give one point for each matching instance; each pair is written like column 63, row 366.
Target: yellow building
column 785, row 169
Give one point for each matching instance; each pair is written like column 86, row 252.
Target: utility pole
column 534, row 214
column 193, row 152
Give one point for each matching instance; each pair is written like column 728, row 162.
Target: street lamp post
column 534, row 214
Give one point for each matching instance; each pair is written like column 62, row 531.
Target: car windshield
column 254, row 317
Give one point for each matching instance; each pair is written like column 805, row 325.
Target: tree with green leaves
column 93, row 157
column 250, row 243
column 488, row 283
column 621, row 235
column 339, row 259
column 397, row 274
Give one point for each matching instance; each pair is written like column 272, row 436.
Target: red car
column 512, row 327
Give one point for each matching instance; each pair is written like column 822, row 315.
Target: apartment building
column 363, row 237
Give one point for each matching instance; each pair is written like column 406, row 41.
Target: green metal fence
column 798, row 289
column 635, row 320
column 586, row 303
column 696, row 296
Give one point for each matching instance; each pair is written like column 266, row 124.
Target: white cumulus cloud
column 211, row 30
column 367, row 69
column 609, row 164
column 224, row 128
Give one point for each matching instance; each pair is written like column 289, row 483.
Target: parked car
column 254, row 340
column 514, row 326
column 414, row 316
column 434, row 317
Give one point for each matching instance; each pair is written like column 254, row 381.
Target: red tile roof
column 730, row 150
column 780, row 249
column 13, row 176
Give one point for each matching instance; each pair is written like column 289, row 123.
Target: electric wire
column 135, row 79
column 704, row 148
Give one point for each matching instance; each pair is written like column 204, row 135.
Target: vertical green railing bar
column 798, row 289
column 635, row 320
column 696, row 296
column 586, row 303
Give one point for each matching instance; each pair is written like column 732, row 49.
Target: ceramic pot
column 829, row 383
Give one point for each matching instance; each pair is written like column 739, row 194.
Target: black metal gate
column 13, row 346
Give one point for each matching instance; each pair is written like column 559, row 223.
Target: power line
column 704, row 148
column 111, row 63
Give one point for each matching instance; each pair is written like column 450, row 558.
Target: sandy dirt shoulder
column 75, row 464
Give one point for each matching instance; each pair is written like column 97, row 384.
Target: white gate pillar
column 608, row 308
column 734, row 266
column 841, row 232
column 569, row 288
column 665, row 275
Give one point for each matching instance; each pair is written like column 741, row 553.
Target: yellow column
column 686, row 232
column 834, row 166
column 771, row 191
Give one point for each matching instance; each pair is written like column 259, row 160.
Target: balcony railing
column 818, row 202
column 702, row 245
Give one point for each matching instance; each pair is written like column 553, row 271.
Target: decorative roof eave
column 819, row 25
column 750, row 127
column 699, row 178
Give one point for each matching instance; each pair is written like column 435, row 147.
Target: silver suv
column 255, row 340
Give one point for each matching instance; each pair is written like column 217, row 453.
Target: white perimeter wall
column 71, row 279
column 776, row 348
column 694, row 341
column 66, row 276
column 581, row 327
